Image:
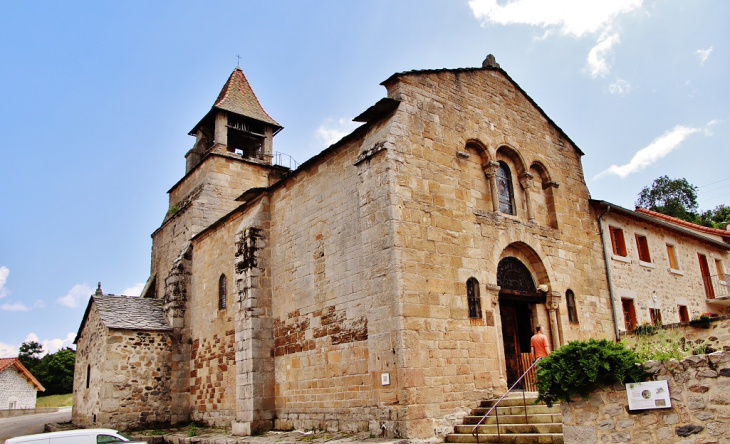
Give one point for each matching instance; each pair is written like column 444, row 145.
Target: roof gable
column 127, row 313
column 6, row 363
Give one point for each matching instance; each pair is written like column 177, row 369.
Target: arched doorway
column 518, row 297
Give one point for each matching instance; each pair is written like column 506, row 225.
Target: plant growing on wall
column 579, row 367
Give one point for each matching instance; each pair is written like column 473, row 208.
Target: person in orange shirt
column 539, row 342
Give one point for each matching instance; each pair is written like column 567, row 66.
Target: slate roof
column 5, row 363
column 238, row 97
column 131, row 312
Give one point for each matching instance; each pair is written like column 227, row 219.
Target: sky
column 97, row 98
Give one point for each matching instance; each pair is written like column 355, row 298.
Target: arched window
column 473, row 299
column 504, row 189
column 572, row 309
column 222, row 292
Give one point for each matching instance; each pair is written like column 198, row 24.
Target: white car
column 80, row 436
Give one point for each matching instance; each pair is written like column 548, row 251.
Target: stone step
column 540, row 418
column 512, row 429
column 518, row 410
column 530, row 398
column 529, row 438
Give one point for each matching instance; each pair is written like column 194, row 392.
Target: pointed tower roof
column 237, row 97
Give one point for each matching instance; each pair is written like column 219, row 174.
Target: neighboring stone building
column 123, row 363
column 663, row 270
column 389, row 282
column 18, row 387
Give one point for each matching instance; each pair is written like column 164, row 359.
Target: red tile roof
column 238, row 97
column 5, row 363
column 684, row 223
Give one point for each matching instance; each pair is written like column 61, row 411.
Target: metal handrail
column 475, row 430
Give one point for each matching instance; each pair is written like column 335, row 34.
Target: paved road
column 30, row 424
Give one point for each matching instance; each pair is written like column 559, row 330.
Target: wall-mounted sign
column 648, row 395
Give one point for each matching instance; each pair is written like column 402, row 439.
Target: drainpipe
column 608, row 272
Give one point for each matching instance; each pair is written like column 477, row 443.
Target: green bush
column 579, row 367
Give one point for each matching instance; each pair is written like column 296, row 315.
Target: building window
column 572, row 309
column 504, row 189
column 473, row 299
column 672, row 256
column 617, row 241
column 683, row 314
column 88, row 375
column 643, row 246
column 720, row 270
column 629, row 314
column 706, row 278
column 656, row 316
column 222, row 292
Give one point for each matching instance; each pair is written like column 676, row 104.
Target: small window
column 572, row 309
column 656, row 316
column 617, row 241
column 88, row 375
column 222, row 292
column 107, row 439
column 643, row 246
column 720, row 269
column 672, row 256
column 683, row 314
column 473, row 299
column 504, row 189
column 629, row 314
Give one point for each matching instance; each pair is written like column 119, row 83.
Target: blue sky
column 97, row 98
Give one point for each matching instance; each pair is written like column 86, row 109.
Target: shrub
column 579, row 367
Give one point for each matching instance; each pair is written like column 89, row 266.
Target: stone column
column 492, row 302
column 490, row 170
column 526, row 182
column 552, row 302
column 221, row 128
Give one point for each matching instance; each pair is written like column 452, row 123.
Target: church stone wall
column 335, row 327
column 135, row 391
column 450, row 126
column 213, row 361
column 655, row 284
column 90, row 361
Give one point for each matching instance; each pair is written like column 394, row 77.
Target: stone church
column 390, row 282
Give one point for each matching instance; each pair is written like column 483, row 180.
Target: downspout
column 608, row 273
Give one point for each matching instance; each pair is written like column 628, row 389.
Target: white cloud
column 4, row 272
column 619, row 86
column 576, row 18
column 15, row 306
column 76, row 294
column 54, row 345
column 8, row 351
column 704, row 54
column 659, row 148
column 330, row 131
column 134, row 290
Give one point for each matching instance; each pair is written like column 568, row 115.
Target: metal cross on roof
column 238, row 63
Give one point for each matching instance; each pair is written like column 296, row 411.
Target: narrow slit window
column 617, row 241
column 572, row 309
column 473, row 299
column 222, row 292
column 643, row 246
column 88, row 375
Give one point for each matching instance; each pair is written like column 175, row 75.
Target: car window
column 106, row 439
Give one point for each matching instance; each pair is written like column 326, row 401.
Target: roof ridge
column 716, row 231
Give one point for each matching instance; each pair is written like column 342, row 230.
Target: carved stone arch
column 543, row 195
column 532, row 261
column 522, row 245
column 513, row 155
column 481, row 149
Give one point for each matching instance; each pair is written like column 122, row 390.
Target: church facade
column 388, row 283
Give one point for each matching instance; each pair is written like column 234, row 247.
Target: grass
column 66, row 400
column 663, row 344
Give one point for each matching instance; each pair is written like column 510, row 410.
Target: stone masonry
column 700, row 392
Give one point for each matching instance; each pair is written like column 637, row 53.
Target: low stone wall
column 716, row 335
column 20, row 412
column 700, row 391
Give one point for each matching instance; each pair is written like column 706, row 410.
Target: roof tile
column 131, row 312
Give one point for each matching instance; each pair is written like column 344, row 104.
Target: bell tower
column 237, row 124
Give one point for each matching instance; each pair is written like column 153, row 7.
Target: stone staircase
column 543, row 424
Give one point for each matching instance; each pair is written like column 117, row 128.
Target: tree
column 673, row 197
column 29, row 355
column 58, row 372
column 717, row 218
